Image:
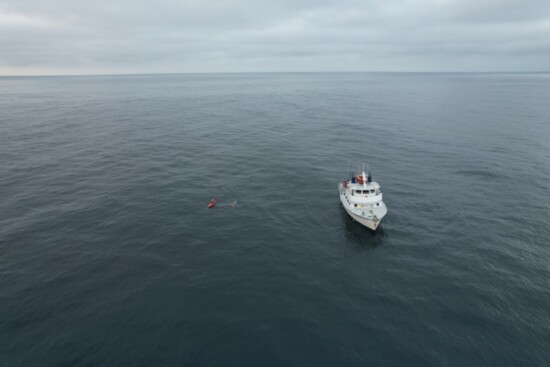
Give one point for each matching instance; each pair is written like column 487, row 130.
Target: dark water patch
column 487, row 174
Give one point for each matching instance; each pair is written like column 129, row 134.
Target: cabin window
column 372, row 191
column 355, row 205
column 358, row 191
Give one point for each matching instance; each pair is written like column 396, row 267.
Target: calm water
column 108, row 255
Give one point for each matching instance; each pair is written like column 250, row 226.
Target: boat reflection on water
column 361, row 238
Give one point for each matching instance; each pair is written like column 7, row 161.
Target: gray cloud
column 67, row 36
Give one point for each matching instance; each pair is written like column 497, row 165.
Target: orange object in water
column 212, row 203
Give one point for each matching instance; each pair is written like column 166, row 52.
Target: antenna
column 364, row 176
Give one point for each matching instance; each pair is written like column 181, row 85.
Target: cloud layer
column 129, row 36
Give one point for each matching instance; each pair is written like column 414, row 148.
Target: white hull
column 367, row 213
column 369, row 223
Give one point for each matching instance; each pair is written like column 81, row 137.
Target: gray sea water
column 110, row 257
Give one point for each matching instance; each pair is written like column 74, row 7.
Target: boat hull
column 371, row 223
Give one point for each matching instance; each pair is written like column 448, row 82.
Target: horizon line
column 273, row 72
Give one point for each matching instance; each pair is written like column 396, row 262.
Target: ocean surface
column 110, row 257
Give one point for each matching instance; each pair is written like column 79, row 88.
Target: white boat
column 362, row 199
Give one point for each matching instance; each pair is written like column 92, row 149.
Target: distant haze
column 163, row 36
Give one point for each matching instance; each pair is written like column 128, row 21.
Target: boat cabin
column 364, row 192
column 362, row 186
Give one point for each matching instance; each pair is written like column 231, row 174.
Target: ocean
column 110, row 257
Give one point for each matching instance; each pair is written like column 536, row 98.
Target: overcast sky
column 133, row 36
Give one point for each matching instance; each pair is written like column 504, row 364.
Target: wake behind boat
column 214, row 203
column 362, row 200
